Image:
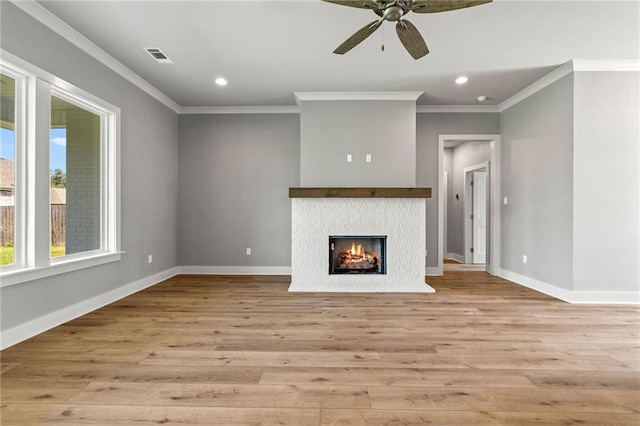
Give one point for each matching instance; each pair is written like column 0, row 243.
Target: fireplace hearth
column 357, row 255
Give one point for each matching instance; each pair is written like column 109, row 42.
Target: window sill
column 18, row 276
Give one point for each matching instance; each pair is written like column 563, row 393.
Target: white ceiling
column 270, row 49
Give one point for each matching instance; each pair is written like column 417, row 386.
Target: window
column 74, row 161
column 66, row 214
column 7, row 169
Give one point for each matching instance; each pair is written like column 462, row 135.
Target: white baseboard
column 46, row 322
column 433, row 271
column 235, row 270
column 577, row 297
column 455, row 256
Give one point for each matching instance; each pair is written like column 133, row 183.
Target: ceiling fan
column 394, row 11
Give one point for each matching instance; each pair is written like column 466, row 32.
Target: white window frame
column 19, row 194
column 33, row 211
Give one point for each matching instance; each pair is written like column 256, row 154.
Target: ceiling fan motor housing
column 393, row 13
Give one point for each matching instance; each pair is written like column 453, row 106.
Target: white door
column 479, row 216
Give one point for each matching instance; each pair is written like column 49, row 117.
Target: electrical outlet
column 506, row 201
column 368, row 158
column 248, row 251
column 524, row 258
column 150, row 259
column 349, row 158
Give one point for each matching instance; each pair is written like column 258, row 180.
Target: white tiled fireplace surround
column 402, row 220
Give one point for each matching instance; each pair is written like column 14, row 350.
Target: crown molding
column 574, row 65
column 239, row 110
column 44, row 16
column 356, row 96
column 538, row 85
column 420, row 109
column 424, row 109
column 606, row 65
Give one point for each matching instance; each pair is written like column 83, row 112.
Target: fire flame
column 357, row 251
column 357, row 255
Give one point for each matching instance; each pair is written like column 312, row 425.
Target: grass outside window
column 6, row 254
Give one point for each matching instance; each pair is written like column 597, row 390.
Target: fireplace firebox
column 357, row 255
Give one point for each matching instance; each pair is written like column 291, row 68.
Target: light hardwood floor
column 243, row 351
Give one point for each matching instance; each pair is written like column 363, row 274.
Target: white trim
column 606, row 65
column 577, row 297
column 240, row 110
column 493, row 266
column 40, row 13
column 606, row 297
column 235, row 270
column 43, row 15
column 46, row 322
column 86, row 98
column 356, row 96
column 542, row 287
column 445, row 210
column 567, row 68
column 456, row 257
column 425, row 109
column 420, row 109
column 466, row 208
column 538, row 85
column 33, row 259
column 24, row 88
column 63, row 266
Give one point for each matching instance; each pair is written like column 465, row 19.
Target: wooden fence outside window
column 58, row 220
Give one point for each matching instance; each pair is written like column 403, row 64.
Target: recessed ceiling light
column 462, row 80
column 221, row 81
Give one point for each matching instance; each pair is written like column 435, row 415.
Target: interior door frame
column 467, row 208
column 445, row 190
column 495, row 140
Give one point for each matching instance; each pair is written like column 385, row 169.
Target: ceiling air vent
column 158, row 55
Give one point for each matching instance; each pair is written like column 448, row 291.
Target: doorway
column 492, row 233
column 476, row 213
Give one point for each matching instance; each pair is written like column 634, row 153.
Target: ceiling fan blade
column 362, row 4
column 358, row 37
column 427, row 6
column 411, row 39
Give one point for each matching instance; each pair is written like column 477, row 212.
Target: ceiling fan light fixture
column 462, row 79
column 393, row 13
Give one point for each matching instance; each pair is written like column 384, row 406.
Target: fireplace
column 357, row 255
column 318, row 214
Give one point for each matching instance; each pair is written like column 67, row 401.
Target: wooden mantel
column 359, row 192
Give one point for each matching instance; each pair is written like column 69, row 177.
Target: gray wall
column 464, row 155
column 149, row 145
column 429, row 127
column 606, row 217
column 537, row 178
column 329, row 130
column 235, row 174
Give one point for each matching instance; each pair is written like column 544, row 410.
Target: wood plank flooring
column 230, row 350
